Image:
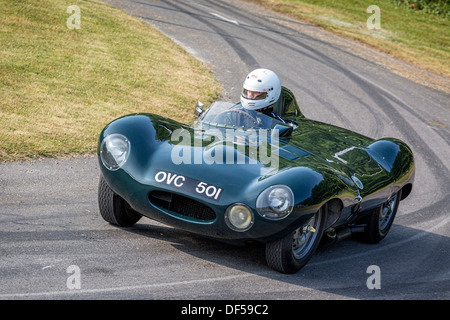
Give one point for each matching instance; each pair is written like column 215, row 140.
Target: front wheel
column 113, row 208
column 380, row 220
column 291, row 253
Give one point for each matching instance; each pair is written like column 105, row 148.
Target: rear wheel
column 380, row 220
column 113, row 208
column 291, row 253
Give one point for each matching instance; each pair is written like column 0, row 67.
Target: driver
column 261, row 92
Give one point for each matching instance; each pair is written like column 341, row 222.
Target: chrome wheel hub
column 304, row 238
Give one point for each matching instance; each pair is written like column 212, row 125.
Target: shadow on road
column 339, row 269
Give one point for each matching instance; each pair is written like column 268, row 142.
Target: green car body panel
column 318, row 161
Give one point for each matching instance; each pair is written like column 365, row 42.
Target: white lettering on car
column 179, row 181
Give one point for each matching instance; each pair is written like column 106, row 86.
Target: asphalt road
column 55, row 245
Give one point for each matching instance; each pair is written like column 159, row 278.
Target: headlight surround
column 114, row 151
column 239, row 217
column 276, row 202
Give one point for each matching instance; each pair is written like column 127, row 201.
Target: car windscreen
column 229, row 115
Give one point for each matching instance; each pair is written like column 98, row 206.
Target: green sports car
column 239, row 175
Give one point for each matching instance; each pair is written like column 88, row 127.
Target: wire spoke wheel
column 292, row 252
column 305, row 237
column 387, row 213
column 380, row 220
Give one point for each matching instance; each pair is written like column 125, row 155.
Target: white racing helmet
column 261, row 89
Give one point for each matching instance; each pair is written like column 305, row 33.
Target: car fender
column 397, row 158
column 312, row 189
column 146, row 133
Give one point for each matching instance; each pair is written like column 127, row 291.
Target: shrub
column 435, row 7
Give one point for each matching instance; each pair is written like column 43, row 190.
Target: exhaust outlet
column 333, row 236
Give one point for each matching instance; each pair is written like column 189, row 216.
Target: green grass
column 59, row 87
column 414, row 36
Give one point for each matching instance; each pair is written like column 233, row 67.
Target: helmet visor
column 253, row 95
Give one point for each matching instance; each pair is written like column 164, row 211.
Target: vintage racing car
column 238, row 175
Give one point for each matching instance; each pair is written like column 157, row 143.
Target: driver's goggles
column 254, row 95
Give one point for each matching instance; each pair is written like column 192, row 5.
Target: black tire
column 113, row 208
column 380, row 220
column 291, row 253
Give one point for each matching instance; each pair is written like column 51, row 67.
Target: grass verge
column 416, row 37
column 59, row 87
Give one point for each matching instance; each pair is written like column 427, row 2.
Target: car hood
column 245, row 161
column 241, row 157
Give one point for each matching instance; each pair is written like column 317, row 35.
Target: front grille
column 181, row 205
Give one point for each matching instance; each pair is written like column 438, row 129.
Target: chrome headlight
column 114, row 151
column 276, row 202
column 239, row 217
